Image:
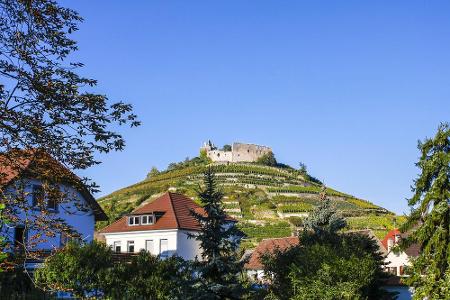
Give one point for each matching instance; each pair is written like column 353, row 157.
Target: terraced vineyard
column 267, row 201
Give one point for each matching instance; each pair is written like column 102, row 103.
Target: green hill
column 268, row 201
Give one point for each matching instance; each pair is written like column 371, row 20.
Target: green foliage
column 16, row 283
column 77, row 269
column 148, row 277
column 226, row 147
column 296, row 221
column 326, row 265
column 324, row 221
column 153, row 172
column 89, row 271
column 259, row 232
column 267, row 159
column 219, row 269
column 429, row 220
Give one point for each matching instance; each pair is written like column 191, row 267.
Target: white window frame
column 153, row 244
column 134, row 218
column 115, row 244
column 165, row 253
column 150, row 220
column 129, row 243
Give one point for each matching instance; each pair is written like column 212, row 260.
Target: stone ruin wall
column 248, row 152
column 240, row 153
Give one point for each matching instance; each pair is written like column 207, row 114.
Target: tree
column 324, row 221
column 267, row 159
column 327, row 264
column 149, row 277
column 44, row 103
column 226, row 147
column 78, row 269
column 219, row 269
column 153, row 172
column 302, row 168
column 429, row 221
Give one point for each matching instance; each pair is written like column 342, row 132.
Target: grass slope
column 267, row 201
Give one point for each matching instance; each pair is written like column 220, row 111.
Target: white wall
column 188, row 248
column 83, row 222
column 178, row 242
column 139, row 238
column 394, row 260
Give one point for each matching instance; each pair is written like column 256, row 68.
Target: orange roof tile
column 412, row 250
column 175, row 210
column 268, row 246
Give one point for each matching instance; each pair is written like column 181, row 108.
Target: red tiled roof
column 175, row 210
column 34, row 163
column 412, row 250
column 268, row 246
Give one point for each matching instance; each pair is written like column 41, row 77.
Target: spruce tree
column 429, row 220
column 324, row 220
column 220, row 268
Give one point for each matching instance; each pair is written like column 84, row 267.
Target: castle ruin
column 240, row 152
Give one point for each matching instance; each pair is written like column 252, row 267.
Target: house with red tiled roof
column 254, row 265
column 161, row 227
column 397, row 260
column 23, row 174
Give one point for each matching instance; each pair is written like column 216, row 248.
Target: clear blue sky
column 347, row 87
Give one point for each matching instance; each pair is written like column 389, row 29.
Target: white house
column 22, row 188
column 161, row 227
column 397, row 260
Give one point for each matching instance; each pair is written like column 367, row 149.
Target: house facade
column 163, row 227
column 396, row 260
column 72, row 213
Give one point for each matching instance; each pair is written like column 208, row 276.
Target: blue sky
column 347, row 87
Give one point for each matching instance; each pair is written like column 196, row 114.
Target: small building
column 21, row 181
column 161, row 227
column 255, row 267
column 397, row 260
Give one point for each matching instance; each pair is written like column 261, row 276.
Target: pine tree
column 219, row 269
column 324, row 220
column 429, row 220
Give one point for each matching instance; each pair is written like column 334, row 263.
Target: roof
column 412, row 250
column 35, row 163
column 175, row 210
column 268, row 246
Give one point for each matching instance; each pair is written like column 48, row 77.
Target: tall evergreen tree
column 220, row 268
column 429, row 220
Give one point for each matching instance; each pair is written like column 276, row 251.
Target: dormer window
column 147, row 220
column 141, row 220
column 133, row 220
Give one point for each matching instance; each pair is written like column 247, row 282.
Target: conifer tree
column 220, row 268
column 429, row 220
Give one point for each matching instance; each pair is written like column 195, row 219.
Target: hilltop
column 268, row 198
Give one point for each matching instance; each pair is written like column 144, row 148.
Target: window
column 19, row 238
column 52, row 204
column 133, row 220
column 163, row 248
column 149, row 246
column 117, row 247
column 147, row 220
column 130, row 246
column 38, row 195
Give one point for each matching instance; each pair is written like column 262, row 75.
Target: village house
column 254, row 265
column 396, row 260
column 162, row 227
column 21, row 183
